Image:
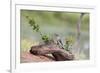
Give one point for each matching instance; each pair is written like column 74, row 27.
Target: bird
column 58, row 40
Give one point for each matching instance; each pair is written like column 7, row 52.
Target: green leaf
column 37, row 28
column 31, row 22
column 45, row 38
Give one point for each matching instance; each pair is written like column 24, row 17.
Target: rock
column 26, row 57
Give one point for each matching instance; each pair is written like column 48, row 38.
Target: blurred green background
column 62, row 23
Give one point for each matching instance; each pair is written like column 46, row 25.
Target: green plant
column 45, row 38
column 68, row 43
column 36, row 28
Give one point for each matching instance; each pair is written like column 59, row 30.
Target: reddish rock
column 26, row 57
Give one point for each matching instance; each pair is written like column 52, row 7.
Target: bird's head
column 56, row 35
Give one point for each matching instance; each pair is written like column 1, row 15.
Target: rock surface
column 26, row 57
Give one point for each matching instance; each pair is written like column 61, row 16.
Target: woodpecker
column 58, row 40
